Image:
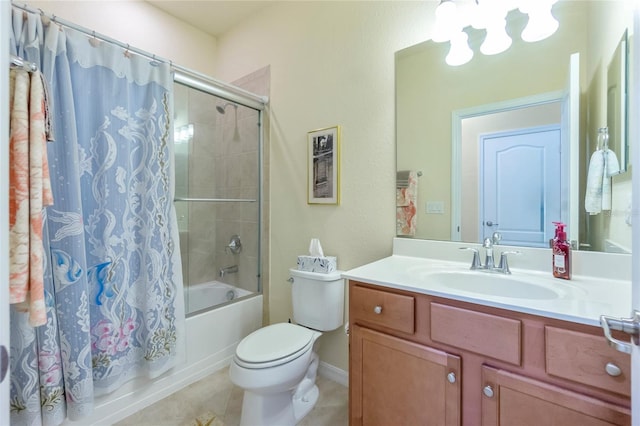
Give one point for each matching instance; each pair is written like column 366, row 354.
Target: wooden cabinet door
column 509, row 399
column 396, row 382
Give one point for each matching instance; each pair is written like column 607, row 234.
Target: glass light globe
column 460, row 53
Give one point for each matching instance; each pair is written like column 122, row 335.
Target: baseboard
column 334, row 373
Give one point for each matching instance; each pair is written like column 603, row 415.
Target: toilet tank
column 318, row 299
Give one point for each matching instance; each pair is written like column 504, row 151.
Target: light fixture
column 497, row 39
column 541, row 22
column 183, row 134
column 454, row 16
column 460, row 53
column 446, row 21
column 491, row 15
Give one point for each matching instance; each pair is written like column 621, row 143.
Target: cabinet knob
column 451, row 377
column 488, row 391
column 377, row 310
column 612, row 369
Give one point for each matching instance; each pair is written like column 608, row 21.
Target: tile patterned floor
column 215, row 401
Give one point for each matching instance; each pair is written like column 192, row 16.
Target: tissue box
column 324, row 264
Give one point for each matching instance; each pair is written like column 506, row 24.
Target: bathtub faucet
column 227, row 270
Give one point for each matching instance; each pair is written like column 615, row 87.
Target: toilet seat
column 274, row 345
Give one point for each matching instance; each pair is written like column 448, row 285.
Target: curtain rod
column 224, row 87
column 21, row 63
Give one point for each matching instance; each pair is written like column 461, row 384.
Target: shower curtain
column 112, row 276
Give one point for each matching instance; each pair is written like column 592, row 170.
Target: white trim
column 5, row 22
column 205, row 356
column 334, row 373
column 456, row 144
column 634, row 143
column 117, row 409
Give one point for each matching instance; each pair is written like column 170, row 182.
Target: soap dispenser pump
column 561, row 253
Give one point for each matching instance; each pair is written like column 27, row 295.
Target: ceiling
column 214, row 17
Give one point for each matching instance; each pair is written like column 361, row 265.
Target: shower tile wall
column 202, row 233
column 220, row 163
column 238, row 176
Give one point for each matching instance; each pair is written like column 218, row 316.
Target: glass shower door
column 218, row 189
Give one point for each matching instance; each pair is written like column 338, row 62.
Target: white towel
column 595, row 175
column 602, row 165
column 612, row 164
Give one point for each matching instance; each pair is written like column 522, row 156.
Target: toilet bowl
column 277, row 365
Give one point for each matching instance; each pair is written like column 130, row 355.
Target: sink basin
column 493, row 285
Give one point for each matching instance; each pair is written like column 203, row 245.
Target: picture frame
column 323, row 167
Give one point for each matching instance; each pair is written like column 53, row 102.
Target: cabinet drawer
column 379, row 307
column 484, row 334
column 583, row 358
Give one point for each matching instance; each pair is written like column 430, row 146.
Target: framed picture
column 323, row 169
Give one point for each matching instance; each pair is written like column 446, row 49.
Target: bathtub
column 210, row 294
column 211, row 339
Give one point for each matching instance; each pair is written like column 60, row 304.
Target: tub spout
column 227, row 270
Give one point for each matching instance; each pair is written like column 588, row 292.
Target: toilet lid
column 273, row 342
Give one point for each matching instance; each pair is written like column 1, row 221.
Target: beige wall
column 332, row 63
column 140, row 25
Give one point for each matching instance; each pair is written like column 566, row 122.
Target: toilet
column 277, row 364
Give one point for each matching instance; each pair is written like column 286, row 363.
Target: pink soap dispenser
column 561, row 253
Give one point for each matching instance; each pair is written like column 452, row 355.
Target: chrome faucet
column 489, row 262
column 503, row 266
column 227, row 270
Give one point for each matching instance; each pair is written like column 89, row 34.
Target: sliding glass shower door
column 217, row 197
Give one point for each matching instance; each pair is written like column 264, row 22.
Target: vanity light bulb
column 542, row 23
column 446, row 21
column 460, row 52
column 497, row 39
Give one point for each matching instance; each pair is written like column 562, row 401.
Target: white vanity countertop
column 582, row 299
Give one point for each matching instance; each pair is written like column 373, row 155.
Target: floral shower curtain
column 112, row 280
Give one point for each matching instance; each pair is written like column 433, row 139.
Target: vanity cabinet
column 420, row 359
column 512, row 399
column 403, row 383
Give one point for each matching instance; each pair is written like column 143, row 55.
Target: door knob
column 612, row 369
column 490, row 223
column 627, row 325
column 4, row 362
column 488, row 391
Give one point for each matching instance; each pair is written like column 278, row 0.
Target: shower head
column 222, row 108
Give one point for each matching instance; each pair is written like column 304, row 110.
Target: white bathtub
column 211, row 340
column 210, row 294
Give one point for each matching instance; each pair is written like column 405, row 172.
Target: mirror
column 617, row 107
column 433, row 101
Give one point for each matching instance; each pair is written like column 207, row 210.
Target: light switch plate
column 435, row 207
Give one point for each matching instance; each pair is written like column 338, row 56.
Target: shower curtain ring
column 93, row 41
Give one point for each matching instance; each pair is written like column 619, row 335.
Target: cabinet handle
column 488, row 391
column 451, row 377
column 612, row 369
column 377, row 310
